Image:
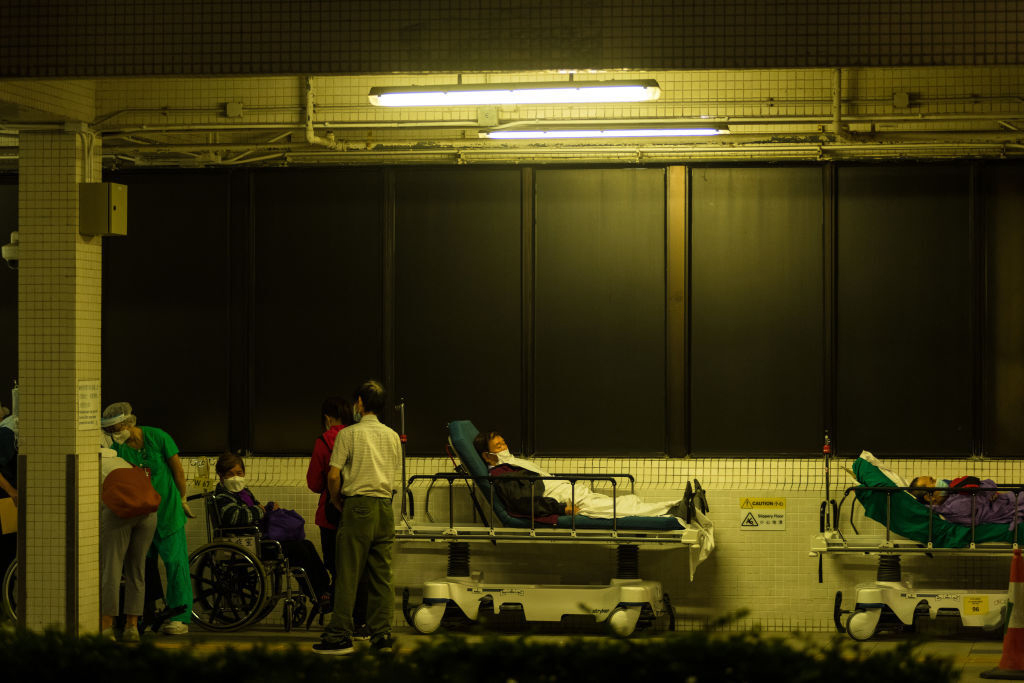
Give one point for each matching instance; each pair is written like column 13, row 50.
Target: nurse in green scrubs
column 155, row 449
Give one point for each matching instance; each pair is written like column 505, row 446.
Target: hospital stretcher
column 910, row 528
column 622, row 605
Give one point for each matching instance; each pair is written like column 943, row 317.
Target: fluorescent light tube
column 562, row 92
column 605, row 133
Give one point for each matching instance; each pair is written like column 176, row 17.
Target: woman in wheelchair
column 237, row 506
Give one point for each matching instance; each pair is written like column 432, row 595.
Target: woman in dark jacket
column 336, row 414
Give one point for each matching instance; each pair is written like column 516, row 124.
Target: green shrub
column 679, row 658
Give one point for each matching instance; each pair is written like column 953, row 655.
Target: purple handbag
column 284, row 525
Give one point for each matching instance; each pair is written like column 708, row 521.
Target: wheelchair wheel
column 229, row 586
column 9, row 594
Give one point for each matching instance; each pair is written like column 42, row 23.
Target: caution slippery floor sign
column 763, row 514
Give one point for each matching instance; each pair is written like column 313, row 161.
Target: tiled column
column 59, row 276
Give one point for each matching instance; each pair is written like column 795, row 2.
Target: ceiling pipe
column 200, row 147
column 311, row 136
column 661, row 154
column 708, row 150
column 914, row 138
column 706, row 103
column 238, row 161
column 837, row 103
column 14, row 127
column 190, row 111
column 474, row 125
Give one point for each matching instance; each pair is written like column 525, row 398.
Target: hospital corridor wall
column 874, row 301
column 880, row 301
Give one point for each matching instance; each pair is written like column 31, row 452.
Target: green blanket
column 910, row 518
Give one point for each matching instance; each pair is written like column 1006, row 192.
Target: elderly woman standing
column 154, row 449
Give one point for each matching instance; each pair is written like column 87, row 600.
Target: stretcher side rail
column 451, row 477
column 618, row 475
column 411, row 531
column 448, row 534
column 833, row 540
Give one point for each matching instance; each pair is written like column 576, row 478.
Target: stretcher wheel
column 427, row 618
column 485, row 612
column 9, row 594
column 229, row 586
column 862, row 623
column 621, row 622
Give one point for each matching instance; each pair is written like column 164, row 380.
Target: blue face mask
column 942, row 484
column 356, row 415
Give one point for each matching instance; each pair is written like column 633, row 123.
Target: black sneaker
column 361, row 633
column 384, row 643
column 338, row 647
column 700, row 500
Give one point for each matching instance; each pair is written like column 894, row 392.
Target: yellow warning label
column 762, row 503
column 975, row 604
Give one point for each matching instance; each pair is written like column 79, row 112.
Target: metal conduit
column 822, row 120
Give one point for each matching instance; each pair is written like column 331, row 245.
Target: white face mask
column 234, row 484
column 121, row 436
column 503, row 456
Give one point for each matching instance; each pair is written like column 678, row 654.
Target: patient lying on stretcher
column 548, row 498
column 952, row 499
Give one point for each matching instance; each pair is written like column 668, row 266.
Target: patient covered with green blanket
column 909, row 518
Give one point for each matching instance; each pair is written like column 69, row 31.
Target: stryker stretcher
column 623, row 604
column 911, row 528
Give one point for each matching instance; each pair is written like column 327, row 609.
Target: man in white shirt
column 364, row 468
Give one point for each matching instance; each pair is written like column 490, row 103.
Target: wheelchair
column 239, row 577
column 9, row 591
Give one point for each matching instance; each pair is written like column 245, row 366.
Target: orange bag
column 128, row 492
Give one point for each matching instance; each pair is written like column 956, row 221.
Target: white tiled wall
column 770, row 574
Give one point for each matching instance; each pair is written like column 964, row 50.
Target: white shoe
column 174, row 628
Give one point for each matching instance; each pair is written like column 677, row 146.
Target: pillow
column 896, row 479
